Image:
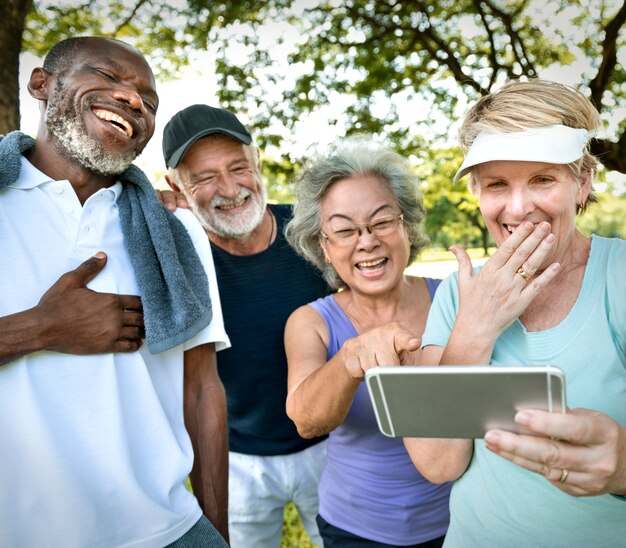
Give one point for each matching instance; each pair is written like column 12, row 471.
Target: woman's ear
column 323, row 244
column 584, row 189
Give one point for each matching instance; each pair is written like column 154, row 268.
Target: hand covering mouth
column 115, row 121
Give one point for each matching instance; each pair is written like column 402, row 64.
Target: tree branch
column 493, row 56
column 612, row 155
column 130, row 17
column 609, row 57
column 517, row 44
column 450, row 60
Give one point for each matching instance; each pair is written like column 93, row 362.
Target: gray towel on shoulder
column 172, row 280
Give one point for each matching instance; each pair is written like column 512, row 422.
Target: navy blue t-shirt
column 258, row 293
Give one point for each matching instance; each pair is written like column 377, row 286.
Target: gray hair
column 175, row 173
column 352, row 156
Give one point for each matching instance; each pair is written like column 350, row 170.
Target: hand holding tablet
column 460, row 401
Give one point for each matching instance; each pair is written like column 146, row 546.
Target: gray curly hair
column 360, row 155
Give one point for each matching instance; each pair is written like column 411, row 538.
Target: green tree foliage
column 278, row 176
column 436, row 54
column 453, row 213
column 605, row 218
column 401, row 70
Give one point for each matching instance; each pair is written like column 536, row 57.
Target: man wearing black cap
column 213, row 162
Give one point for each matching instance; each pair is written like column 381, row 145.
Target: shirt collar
column 31, row 177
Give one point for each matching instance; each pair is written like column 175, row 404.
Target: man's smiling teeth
column 231, row 205
column 118, row 122
column 369, row 264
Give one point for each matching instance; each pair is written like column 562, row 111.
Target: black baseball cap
column 194, row 122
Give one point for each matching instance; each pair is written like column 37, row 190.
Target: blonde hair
column 521, row 105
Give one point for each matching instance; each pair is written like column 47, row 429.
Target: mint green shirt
column 496, row 503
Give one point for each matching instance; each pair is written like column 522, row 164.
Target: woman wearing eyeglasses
column 358, row 218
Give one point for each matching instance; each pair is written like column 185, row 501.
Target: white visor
column 551, row 144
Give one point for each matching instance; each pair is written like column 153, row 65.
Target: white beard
column 235, row 227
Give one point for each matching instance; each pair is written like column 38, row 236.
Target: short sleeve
column 442, row 314
column 215, row 331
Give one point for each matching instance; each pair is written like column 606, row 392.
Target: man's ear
column 39, row 83
column 173, row 185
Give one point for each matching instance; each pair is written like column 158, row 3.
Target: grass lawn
column 294, row 535
column 440, row 263
column 433, row 255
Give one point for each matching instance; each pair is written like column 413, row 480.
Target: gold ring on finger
column 523, row 274
column 564, row 475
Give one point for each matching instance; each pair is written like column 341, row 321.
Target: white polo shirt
column 93, row 449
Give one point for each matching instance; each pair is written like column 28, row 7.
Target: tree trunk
column 12, row 18
column 485, row 237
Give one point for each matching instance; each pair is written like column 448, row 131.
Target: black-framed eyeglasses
column 347, row 234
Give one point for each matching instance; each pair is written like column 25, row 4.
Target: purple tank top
column 369, row 485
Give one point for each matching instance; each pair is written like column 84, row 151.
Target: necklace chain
column 273, row 224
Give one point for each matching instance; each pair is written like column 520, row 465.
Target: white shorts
column 260, row 486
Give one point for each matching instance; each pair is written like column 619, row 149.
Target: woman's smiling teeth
column 116, row 121
column 511, row 228
column 371, row 265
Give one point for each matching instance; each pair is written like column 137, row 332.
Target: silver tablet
column 460, row 401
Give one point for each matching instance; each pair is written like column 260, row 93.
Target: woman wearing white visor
column 549, row 296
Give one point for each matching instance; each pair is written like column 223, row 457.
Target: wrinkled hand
column 78, row 320
column 588, row 444
column 390, row 344
column 498, row 294
column 172, row 200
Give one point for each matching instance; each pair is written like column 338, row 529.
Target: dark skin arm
column 72, row 319
column 205, row 419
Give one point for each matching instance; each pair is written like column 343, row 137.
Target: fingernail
column 523, row 418
column 492, row 437
column 100, row 255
